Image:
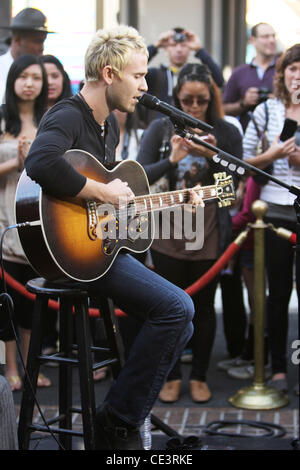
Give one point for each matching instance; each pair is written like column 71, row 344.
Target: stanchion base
column 259, row 397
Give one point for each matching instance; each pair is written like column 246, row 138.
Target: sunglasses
column 189, row 100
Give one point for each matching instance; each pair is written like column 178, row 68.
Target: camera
column 263, row 94
column 179, row 37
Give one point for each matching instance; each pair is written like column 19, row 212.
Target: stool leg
column 86, row 373
column 65, row 371
column 115, row 342
column 32, row 368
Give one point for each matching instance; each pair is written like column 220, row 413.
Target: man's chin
column 127, row 109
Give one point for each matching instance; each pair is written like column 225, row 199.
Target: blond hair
column 112, row 47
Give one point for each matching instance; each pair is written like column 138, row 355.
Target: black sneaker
column 112, row 436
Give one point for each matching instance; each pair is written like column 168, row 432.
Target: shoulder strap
column 259, row 133
column 267, row 115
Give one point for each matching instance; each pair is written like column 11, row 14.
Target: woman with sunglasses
column 196, row 94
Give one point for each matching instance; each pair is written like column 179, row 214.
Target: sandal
column 100, row 374
column 43, row 381
column 15, row 382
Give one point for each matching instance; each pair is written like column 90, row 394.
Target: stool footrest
column 106, row 362
column 93, row 348
column 55, row 419
column 76, row 409
column 43, row 428
column 54, row 358
column 74, row 362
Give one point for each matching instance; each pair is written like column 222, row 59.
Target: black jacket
column 68, row 125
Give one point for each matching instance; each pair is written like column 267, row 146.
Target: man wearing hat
column 29, row 31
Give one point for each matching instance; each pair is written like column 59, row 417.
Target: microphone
column 177, row 116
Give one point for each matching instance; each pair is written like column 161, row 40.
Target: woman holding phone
column 284, row 154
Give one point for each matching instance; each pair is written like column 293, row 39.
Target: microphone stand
column 235, row 164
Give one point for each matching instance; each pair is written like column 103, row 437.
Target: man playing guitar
column 115, row 68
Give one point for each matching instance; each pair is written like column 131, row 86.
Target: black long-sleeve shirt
column 68, row 125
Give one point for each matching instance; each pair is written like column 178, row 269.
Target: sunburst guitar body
column 78, row 239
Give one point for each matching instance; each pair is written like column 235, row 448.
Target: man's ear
column 108, row 74
column 252, row 40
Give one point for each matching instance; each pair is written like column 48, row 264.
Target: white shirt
column 5, row 62
column 290, row 175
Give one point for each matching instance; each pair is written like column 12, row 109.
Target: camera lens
column 179, row 37
column 263, row 93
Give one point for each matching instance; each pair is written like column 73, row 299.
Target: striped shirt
column 290, row 175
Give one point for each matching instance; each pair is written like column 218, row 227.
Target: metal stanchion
column 258, row 396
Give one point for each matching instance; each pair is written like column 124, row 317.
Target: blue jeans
column 166, row 312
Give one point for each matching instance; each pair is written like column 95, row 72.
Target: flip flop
column 15, row 382
column 43, row 381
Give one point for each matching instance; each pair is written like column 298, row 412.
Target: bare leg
column 11, row 368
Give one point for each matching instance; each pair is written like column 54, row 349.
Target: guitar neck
column 159, row 201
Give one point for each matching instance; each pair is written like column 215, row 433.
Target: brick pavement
column 193, row 420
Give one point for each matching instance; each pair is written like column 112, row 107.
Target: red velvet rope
column 293, row 238
column 214, row 270
column 191, row 290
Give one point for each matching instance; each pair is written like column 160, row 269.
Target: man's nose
column 144, row 85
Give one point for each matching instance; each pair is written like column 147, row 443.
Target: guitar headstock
column 224, row 188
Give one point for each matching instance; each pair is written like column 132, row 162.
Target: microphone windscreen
column 148, row 100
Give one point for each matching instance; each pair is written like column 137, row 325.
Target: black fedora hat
column 29, row 19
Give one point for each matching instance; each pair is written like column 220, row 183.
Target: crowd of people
column 258, row 97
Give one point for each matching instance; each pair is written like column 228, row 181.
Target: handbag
column 162, row 185
column 262, row 146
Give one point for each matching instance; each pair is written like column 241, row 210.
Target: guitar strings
column 151, row 202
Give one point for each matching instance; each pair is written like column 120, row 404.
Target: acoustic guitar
column 79, row 240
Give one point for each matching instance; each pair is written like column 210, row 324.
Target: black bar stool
column 73, row 309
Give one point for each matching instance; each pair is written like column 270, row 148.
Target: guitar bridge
column 92, row 219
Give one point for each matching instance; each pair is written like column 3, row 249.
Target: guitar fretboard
column 159, row 201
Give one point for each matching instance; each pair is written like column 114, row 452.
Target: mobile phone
column 289, row 129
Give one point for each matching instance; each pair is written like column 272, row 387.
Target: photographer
column 178, row 43
column 250, row 84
